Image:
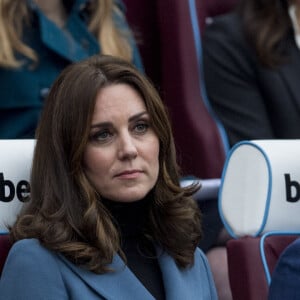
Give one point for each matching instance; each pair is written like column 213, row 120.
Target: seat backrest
column 15, row 166
column 260, row 186
column 200, row 145
column 5, row 246
column 251, row 261
column 259, row 205
column 142, row 18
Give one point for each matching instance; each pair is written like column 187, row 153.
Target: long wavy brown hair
column 15, row 15
column 65, row 212
column 267, row 24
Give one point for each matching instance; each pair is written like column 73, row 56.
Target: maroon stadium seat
column 247, row 276
column 168, row 48
column 4, row 248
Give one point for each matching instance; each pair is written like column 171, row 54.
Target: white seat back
column 260, row 188
column 15, row 166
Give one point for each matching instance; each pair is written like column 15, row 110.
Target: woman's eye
column 141, row 127
column 101, row 136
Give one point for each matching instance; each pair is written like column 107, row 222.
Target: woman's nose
column 127, row 147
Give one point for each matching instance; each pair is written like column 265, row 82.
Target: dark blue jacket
column 285, row 279
column 252, row 101
column 22, row 91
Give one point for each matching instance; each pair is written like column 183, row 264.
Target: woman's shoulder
column 227, row 19
column 227, row 26
column 29, row 251
column 285, row 278
column 27, row 244
column 288, row 263
column 292, row 251
column 28, row 257
column 31, row 272
column 225, row 40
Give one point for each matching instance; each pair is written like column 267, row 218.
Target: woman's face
column 121, row 158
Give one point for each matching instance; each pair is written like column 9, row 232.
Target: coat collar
column 74, row 42
column 190, row 283
column 179, row 284
column 111, row 285
column 78, row 4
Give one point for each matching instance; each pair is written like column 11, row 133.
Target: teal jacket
column 22, row 91
column 33, row 272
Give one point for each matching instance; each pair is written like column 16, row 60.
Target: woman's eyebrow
column 103, row 124
column 108, row 124
column 136, row 116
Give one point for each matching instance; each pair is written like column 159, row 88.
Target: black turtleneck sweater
column 130, row 218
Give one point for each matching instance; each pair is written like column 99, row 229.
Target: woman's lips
column 129, row 174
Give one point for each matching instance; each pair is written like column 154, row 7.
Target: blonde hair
column 113, row 40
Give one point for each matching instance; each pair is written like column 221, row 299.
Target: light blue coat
column 32, row 272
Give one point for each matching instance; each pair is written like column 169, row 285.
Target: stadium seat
column 15, row 165
column 4, row 249
column 251, row 261
column 169, row 51
column 142, row 17
column 258, row 208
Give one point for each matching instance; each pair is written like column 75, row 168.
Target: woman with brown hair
column 38, row 38
column 107, row 218
column 252, row 69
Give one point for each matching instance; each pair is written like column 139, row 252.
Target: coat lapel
column 119, row 285
column 191, row 283
column 74, row 44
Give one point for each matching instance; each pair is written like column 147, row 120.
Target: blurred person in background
column 39, row 38
column 286, row 275
column 252, row 69
column 251, row 62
